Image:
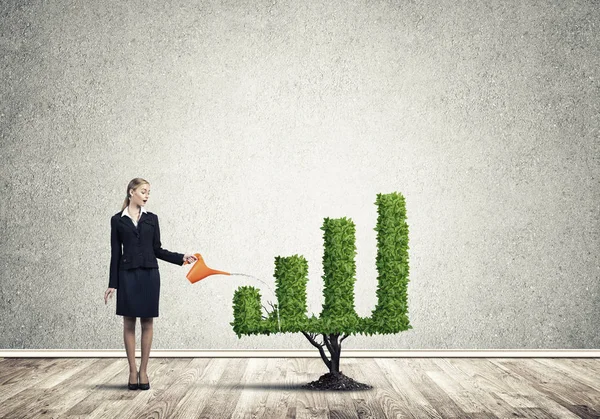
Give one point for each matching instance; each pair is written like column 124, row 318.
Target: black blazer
column 141, row 245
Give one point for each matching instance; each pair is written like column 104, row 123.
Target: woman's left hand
column 190, row 258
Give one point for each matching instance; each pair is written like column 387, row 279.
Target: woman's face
column 140, row 195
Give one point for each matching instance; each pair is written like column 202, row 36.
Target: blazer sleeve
column 115, row 255
column 164, row 254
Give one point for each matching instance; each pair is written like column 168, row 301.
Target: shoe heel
column 143, row 386
column 133, row 386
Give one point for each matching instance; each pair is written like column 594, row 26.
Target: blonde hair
column 133, row 184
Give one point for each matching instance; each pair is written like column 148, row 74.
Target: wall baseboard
column 304, row 353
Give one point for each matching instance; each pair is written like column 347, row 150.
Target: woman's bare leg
column 129, row 338
column 147, row 330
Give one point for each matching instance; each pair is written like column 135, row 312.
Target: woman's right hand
column 108, row 294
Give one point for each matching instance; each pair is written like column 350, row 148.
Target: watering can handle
column 197, row 258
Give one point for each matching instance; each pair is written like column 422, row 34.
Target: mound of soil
column 336, row 381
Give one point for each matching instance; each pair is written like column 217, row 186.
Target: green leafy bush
column 338, row 316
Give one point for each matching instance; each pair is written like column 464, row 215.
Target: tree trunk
column 335, row 355
column 333, row 345
column 334, row 379
column 335, row 349
column 335, row 364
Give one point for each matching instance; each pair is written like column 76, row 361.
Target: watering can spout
column 200, row 270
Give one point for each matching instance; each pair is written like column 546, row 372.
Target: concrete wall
column 254, row 120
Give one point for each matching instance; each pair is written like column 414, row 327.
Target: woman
column 134, row 273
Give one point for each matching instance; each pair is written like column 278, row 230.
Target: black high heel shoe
column 143, row 386
column 133, row 386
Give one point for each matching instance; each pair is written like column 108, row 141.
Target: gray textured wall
column 255, row 120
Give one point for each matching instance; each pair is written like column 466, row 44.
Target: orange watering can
column 200, row 270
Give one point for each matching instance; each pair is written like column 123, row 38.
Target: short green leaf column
column 246, row 311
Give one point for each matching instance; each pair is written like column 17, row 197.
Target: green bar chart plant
column 338, row 319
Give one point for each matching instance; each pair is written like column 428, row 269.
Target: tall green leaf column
column 339, row 275
column 391, row 312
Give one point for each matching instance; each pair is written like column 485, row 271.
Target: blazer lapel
column 142, row 218
column 128, row 221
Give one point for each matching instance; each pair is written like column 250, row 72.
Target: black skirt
column 139, row 292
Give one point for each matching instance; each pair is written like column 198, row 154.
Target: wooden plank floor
column 269, row 388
